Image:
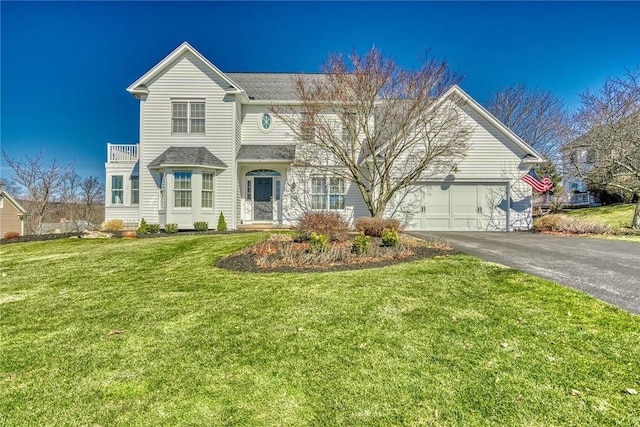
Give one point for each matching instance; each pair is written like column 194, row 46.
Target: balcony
column 122, row 153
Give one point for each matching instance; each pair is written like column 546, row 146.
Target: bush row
column 570, row 224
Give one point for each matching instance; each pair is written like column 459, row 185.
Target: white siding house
column 210, row 144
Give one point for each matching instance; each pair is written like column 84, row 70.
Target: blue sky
column 65, row 66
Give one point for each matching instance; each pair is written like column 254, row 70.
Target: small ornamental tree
column 222, row 224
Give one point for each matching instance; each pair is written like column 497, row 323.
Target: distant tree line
column 52, row 190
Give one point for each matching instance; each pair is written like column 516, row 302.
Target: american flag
column 540, row 185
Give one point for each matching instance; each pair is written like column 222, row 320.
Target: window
column 182, row 189
column 266, row 121
column 249, row 195
column 197, row 117
column 135, row 190
column 336, row 193
column 321, row 193
column 347, row 128
column 278, row 189
column 318, row 193
column 207, row 190
column 117, row 189
column 187, row 117
column 307, row 128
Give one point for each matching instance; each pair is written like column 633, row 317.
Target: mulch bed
column 245, row 261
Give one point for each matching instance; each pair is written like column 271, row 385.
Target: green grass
column 412, row 344
column 615, row 216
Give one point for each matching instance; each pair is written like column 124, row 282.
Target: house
column 576, row 157
column 12, row 215
column 209, row 143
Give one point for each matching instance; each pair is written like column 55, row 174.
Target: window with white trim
column 117, row 189
column 336, row 193
column 187, row 117
column 135, row 189
column 347, row 128
column 182, row 189
column 307, row 128
column 327, row 193
column 318, row 193
column 207, row 190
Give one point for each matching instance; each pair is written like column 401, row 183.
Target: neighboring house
column 577, row 157
column 209, row 144
column 12, row 214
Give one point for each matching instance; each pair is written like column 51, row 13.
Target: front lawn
column 148, row 332
column 617, row 217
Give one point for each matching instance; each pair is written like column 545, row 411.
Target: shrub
column 372, row 226
column 153, row 228
column 390, row 238
column 11, row 235
column 222, row 224
column 569, row 224
column 201, row 225
column 318, row 243
column 361, row 244
column 330, row 224
column 112, row 225
column 171, row 228
column 143, row 229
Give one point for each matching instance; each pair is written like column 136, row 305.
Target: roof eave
column 184, row 166
column 283, row 161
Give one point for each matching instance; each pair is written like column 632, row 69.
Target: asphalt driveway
column 606, row 269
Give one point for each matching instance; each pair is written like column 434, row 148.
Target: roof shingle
column 187, row 156
column 277, row 153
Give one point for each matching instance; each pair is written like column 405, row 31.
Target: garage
column 457, row 207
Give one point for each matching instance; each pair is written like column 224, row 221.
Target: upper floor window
column 117, row 190
column 182, row 189
column 207, row 190
column 347, row 128
column 266, row 121
column 135, row 190
column 308, row 128
column 187, row 117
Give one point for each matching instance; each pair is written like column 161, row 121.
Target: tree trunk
column 636, row 215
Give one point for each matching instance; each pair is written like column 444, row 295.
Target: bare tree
column 539, row 117
column 380, row 126
column 609, row 119
column 91, row 197
column 43, row 184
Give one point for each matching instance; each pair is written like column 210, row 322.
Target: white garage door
column 457, row 207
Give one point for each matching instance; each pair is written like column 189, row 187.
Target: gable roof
column 267, row 153
column 139, row 87
column 187, row 156
column 531, row 155
column 13, row 202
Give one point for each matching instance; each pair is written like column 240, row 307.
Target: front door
column 263, row 199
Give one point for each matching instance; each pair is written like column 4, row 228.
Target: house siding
column 187, row 79
column 492, row 161
column 9, row 219
column 252, row 132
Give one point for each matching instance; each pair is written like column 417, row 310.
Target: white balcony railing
column 122, row 153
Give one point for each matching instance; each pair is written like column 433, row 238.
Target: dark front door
column 263, row 199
